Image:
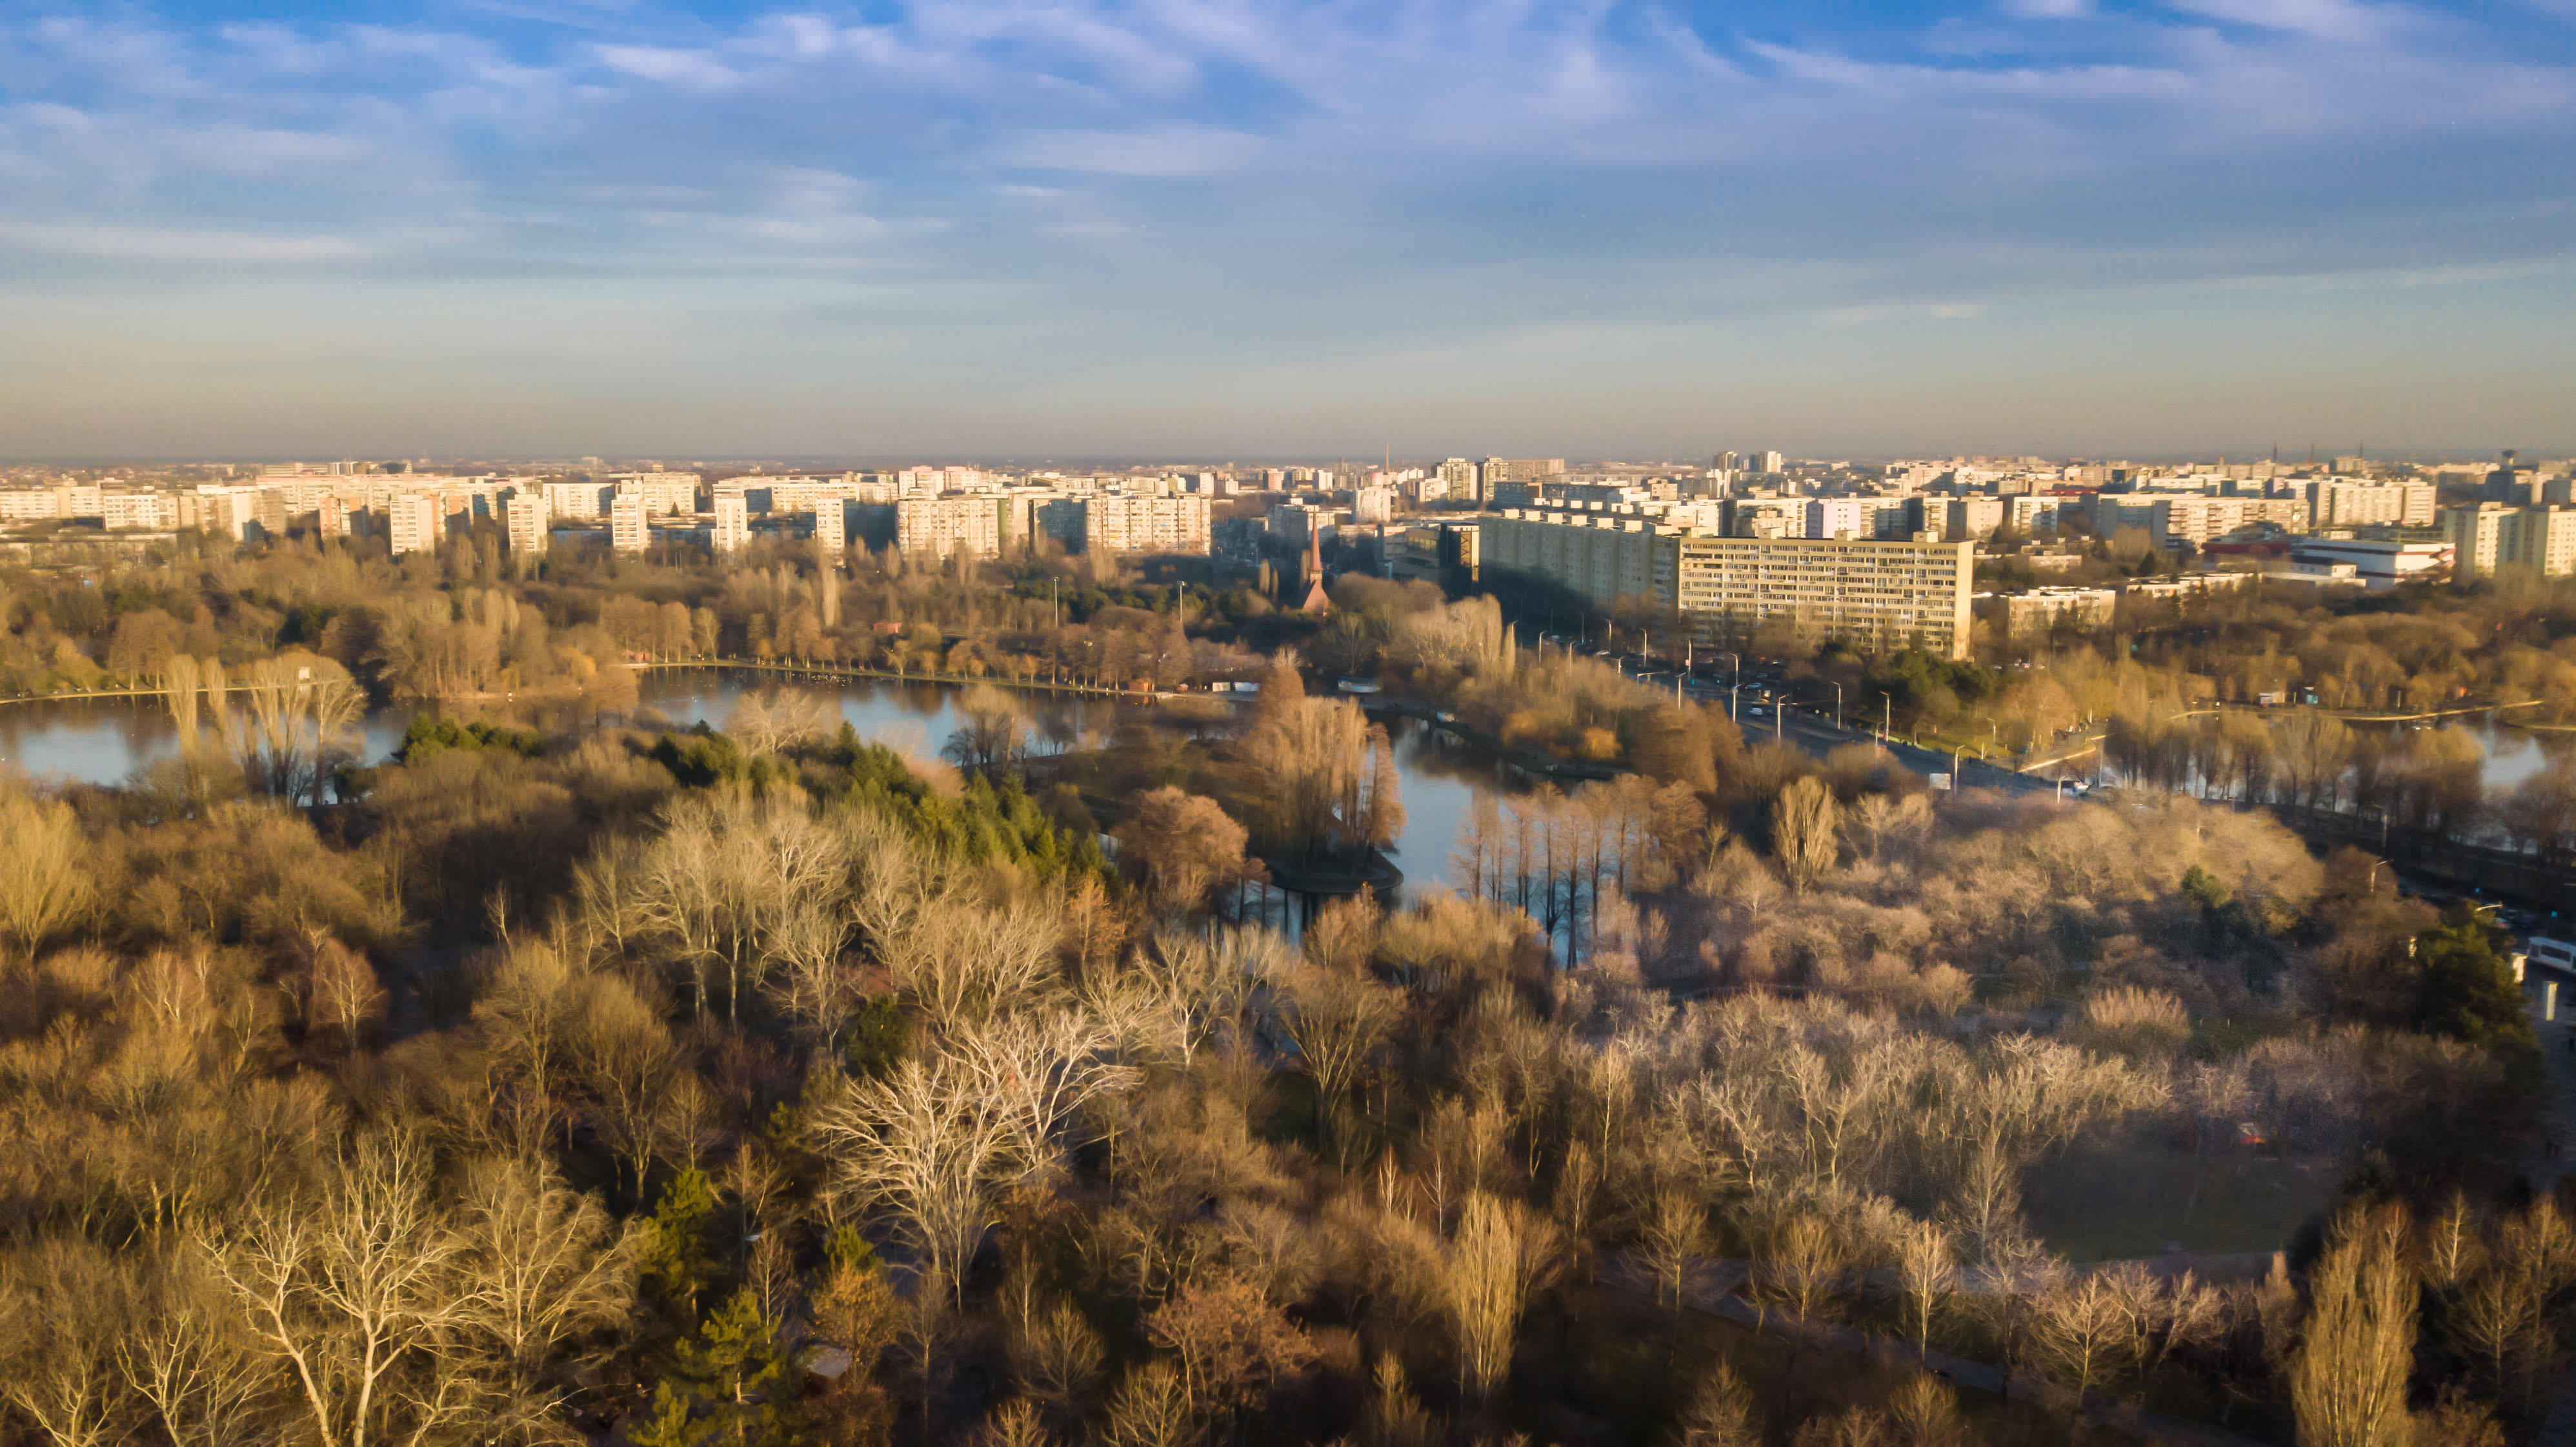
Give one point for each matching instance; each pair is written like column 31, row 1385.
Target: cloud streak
column 1314, row 173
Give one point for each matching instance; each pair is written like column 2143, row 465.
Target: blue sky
column 1226, row 227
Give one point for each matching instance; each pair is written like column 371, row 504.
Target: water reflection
column 103, row 741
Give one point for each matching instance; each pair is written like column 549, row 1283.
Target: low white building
column 2380, row 563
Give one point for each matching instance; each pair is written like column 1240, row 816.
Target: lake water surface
column 103, row 741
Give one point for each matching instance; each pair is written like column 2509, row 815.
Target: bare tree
column 1181, row 846
column 607, row 892
column 1337, row 1020
column 1720, row 1413
column 922, row 1142
column 1013, row 1424
column 812, row 981
column 1058, row 1359
column 544, row 1271
column 992, row 731
column 1153, row 1408
column 1803, row 836
column 770, row 722
column 962, row 960
column 1803, row 1264
column 1038, row 1072
column 1673, row 1234
column 44, row 884
column 67, row 1306
column 2348, row 1376
column 1501, row 1254
column 356, row 1297
column 190, row 1357
column 1926, row 1275
column 627, row 1062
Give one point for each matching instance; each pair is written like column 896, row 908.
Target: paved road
column 1817, row 734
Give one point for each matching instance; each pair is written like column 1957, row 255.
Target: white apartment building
column 1841, row 517
column 2336, row 503
column 663, row 492
column 1601, row 556
column 414, row 523
column 2476, row 536
column 2493, row 538
column 1128, row 523
column 832, row 526
column 939, row 526
column 2193, row 517
column 627, row 532
column 1724, row 588
column 525, row 520
column 2539, row 540
column 153, row 510
column 733, row 522
column 1458, row 478
column 1894, row 593
column 585, row 500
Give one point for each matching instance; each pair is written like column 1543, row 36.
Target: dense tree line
column 765, row 1085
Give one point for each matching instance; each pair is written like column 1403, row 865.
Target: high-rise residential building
column 525, row 519
column 578, row 499
column 732, row 528
column 1723, row 589
column 627, row 532
column 2476, row 536
column 1774, row 462
column 1842, row 517
column 1373, row 504
column 2334, row 503
column 831, row 527
column 969, row 523
column 330, row 517
column 1521, row 472
column 1966, row 517
column 413, row 522
column 2193, row 517
column 137, row 510
column 1910, row 593
column 663, row 492
column 1115, row 522
column 1728, row 461
column 1459, row 477
column 2540, row 540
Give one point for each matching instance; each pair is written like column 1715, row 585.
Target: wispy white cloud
column 1315, row 167
column 2347, row 21
column 153, row 243
column 1169, row 150
column 688, row 69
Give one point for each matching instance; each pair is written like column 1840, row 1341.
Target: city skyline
column 1266, row 231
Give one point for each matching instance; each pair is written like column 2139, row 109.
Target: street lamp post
column 1838, row 707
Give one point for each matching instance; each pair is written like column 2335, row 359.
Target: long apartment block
column 1893, row 593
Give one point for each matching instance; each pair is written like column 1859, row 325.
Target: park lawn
column 2123, row 1200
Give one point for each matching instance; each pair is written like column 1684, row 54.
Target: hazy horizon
column 1272, row 230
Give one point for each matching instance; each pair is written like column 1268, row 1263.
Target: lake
column 103, row 741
